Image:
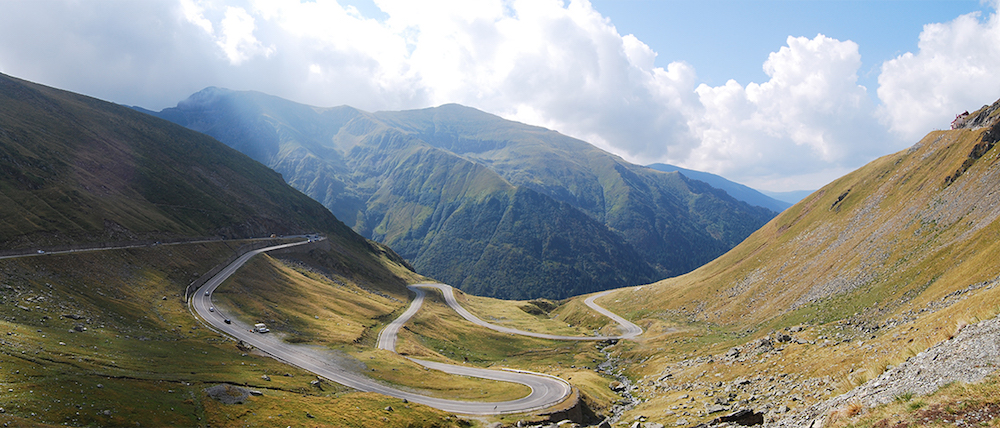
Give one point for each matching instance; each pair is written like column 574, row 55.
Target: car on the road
column 211, row 308
column 41, row 251
column 227, row 321
column 206, row 293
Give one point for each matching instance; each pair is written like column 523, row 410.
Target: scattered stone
column 228, row 394
column 681, row 422
column 266, row 377
column 733, row 353
column 310, row 416
column 388, row 408
column 714, row 408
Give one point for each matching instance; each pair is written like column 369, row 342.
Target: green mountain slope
column 76, row 170
column 416, row 179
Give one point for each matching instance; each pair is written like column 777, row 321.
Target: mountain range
column 494, row 207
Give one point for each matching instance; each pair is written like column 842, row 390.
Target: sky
column 778, row 95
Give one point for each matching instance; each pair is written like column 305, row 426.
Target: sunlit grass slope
column 307, row 305
column 870, row 269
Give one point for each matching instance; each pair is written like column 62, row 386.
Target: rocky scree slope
column 481, row 202
column 970, row 356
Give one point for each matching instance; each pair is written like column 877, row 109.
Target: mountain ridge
column 387, row 175
column 736, row 190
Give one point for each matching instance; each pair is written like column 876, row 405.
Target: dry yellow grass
column 892, row 257
column 509, row 313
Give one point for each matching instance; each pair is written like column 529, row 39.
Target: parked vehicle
column 260, row 328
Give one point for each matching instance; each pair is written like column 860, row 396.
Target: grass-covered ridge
column 869, row 270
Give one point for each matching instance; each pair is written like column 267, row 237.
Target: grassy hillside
column 75, row 169
column 869, row 270
column 141, row 357
column 568, row 217
column 105, row 338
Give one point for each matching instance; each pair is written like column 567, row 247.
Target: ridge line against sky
column 772, row 94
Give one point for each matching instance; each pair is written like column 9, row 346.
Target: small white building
column 960, row 120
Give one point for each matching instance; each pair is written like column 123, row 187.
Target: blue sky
column 729, row 39
column 778, row 95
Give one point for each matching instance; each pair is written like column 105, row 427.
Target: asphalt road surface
column 546, row 391
column 629, row 330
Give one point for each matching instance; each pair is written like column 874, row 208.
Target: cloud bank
column 551, row 63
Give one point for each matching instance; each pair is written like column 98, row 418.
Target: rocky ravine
column 969, row 356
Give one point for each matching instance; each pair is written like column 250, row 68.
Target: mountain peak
column 205, row 96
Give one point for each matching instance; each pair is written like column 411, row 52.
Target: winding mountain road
column 387, row 339
column 546, row 390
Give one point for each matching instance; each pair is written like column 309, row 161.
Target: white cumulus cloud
column 957, row 67
column 559, row 64
column 810, row 121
